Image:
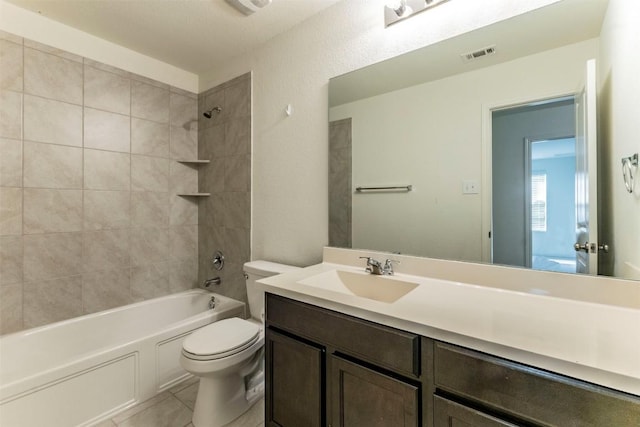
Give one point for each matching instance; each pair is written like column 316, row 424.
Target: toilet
column 228, row 356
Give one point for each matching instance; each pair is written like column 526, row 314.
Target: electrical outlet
column 470, row 186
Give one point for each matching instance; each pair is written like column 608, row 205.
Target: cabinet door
column 294, row 382
column 363, row 397
column 451, row 414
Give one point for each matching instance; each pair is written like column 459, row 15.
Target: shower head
column 209, row 113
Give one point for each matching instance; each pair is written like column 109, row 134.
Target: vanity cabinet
column 325, row 368
column 477, row 389
column 353, row 372
column 294, row 380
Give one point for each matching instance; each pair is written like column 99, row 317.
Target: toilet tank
column 256, row 270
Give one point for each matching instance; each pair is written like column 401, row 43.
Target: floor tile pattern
column 174, row 408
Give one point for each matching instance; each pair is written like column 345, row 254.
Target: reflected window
column 539, row 201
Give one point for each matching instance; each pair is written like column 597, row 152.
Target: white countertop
column 581, row 338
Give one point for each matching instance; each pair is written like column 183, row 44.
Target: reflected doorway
column 552, row 204
column 533, row 180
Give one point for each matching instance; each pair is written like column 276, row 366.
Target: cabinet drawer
column 447, row 413
column 381, row 345
column 532, row 394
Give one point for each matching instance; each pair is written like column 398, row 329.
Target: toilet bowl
column 228, row 357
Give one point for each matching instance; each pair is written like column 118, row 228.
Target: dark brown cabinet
column 326, row 368
column 364, row 397
column 294, row 381
column 452, row 414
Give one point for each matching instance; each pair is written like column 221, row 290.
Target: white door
column 586, row 245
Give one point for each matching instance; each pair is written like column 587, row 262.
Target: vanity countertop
column 579, row 337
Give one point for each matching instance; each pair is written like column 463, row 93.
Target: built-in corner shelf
column 193, row 161
column 194, row 194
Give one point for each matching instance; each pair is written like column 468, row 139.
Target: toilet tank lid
column 267, row 268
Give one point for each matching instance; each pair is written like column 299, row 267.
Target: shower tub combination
column 81, row 371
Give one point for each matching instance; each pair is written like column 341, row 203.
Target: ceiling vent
column 480, row 53
column 248, row 6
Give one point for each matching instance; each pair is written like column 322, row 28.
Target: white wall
column 620, row 109
column 430, row 136
column 36, row 27
column 290, row 155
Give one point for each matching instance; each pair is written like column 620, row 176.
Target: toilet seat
column 221, row 339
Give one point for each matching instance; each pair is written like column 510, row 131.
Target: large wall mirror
column 488, row 147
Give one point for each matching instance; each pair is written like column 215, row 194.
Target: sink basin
column 378, row 288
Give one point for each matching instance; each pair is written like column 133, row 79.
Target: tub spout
column 212, row 281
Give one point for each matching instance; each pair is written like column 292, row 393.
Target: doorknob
column 603, row 248
column 584, row 247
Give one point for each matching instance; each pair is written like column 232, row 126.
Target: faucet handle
column 388, row 266
column 373, row 266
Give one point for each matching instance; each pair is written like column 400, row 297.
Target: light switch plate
column 470, row 186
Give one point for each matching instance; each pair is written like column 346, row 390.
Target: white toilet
column 228, row 356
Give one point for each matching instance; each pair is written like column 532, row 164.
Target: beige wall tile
column 237, row 173
column 10, row 37
column 183, row 275
column 237, row 134
column 150, row 280
column 10, row 260
column 183, row 242
column 50, row 211
column 52, row 166
column 183, row 178
column 183, row 210
column 10, row 114
column 52, row 76
column 237, row 100
column 106, row 289
column 46, row 120
column 149, row 245
column 48, row 301
column 104, row 67
column 10, row 211
column 51, row 256
column 106, row 91
column 52, row 50
column 184, row 143
column 106, row 209
column 10, row 162
column 184, row 110
column 106, row 131
column 149, row 102
column 104, row 170
column 236, row 210
column 102, row 250
column 149, row 138
column 211, row 176
column 11, row 308
column 11, row 65
column 149, row 174
column 149, row 209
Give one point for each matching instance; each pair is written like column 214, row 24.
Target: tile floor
column 174, row 408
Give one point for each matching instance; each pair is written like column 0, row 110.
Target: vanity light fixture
column 398, row 10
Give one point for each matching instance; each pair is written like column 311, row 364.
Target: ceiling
column 194, row 35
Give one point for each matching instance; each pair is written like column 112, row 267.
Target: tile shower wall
column 89, row 217
column 225, row 216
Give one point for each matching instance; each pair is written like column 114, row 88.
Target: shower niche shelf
column 193, row 161
column 194, row 194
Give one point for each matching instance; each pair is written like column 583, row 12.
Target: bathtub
column 81, row 371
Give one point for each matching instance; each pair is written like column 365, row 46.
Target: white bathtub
column 80, row 371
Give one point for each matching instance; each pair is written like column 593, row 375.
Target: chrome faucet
column 212, row 281
column 377, row 268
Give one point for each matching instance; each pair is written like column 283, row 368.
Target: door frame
column 486, row 159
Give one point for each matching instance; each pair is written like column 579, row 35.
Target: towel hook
column 629, row 165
